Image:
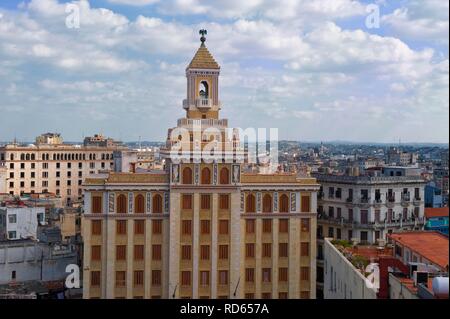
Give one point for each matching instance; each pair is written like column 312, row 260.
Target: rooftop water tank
column 440, row 286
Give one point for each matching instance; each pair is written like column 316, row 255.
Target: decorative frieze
column 215, row 168
column 242, row 201
column 196, row 173
column 130, row 202
column 293, row 202
column 111, row 202
column 166, row 202
column 258, row 202
column 275, row 202
column 148, row 205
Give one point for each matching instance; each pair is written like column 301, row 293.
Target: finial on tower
column 203, row 32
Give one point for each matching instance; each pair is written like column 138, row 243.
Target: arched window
column 267, row 203
column 187, row 175
column 139, row 204
column 33, row 157
column 284, row 203
column 22, row 157
column 206, row 176
column 203, row 90
column 121, row 204
column 157, row 204
column 11, row 157
column 224, row 176
column 250, row 204
column 27, row 157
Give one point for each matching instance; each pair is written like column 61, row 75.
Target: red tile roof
column 436, row 212
column 431, row 245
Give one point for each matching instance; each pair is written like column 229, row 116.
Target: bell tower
column 202, row 100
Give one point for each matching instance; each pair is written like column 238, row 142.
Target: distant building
column 49, row 139
column 99, row 140
column 397, row 157
column 53, row 167
column 433, row 195
column 20, row 222
column 437, row 219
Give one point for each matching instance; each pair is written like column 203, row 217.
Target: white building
column 20, row 222
column 342, row 280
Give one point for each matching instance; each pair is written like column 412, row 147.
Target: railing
column 405, row 197
column 203, row 122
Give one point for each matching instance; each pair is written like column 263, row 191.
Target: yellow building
column 200, row 228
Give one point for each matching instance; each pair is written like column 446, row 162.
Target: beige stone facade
column 200, row 229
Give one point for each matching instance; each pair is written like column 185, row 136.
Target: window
column 205, row 201
column 157, row 226
column 283, row 250
column 283, row 225
column 120, row 278
column 304, row 249
column 95, row 278
column 156, row 252
column 186, row 252
column 12, row 219
column 266, row 275
column 12, row 234
column 156, row 277
column 363, row 236
column 331, row 232
column 204, row 252
column 186, row 201
column 249, row 275
column 304, row 273
column 267, row 203
column 305, row 225
column 267, row 225
column 138, row 278
column 205, row 227
column 139, row 204
column 186, row 227
column 121, row 252
column 250, row 250
column 223, row 227
column 96, row 227
column 282, row 295
column 284, row 203
column 350, row 214
column 338, row 233
column 204, row 278
column 185, row 278
column 96, row 252
column 266, row 250
column 121, row 227
column 306, row 204
column 206, row 176
column 250, row 226
column 187, row 175
column 121, row 204
column 250, row 206
column 157, row 204
column 223, row 251
column 282, row 274
column 223, row 277
column 138, row 252
column 139, row 227
column 97, row 205
column 13, row 275
column 224, row 176
column 224, row 200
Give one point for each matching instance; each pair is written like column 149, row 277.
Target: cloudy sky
column 312, row 68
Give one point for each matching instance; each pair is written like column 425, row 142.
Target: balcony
column 405, row 200
column 377, row 202
column 201, row 104
column 417, row 201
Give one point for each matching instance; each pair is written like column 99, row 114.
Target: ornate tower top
column 203, row 32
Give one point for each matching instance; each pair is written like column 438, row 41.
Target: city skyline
column 319, row 69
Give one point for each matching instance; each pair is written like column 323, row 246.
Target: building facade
column 20, row 222
column 365, row 209
column 200, row 229
column 50, row 166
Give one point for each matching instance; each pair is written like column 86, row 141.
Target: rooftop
column 203, row 60
column 431, row 245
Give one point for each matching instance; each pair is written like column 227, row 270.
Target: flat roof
column 431, row 245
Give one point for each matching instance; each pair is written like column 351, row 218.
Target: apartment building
column 50, row 166
column 365, row 209
column 200, row 229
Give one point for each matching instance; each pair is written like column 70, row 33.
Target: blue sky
column 311, row 68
